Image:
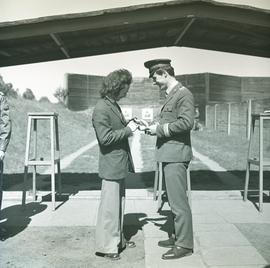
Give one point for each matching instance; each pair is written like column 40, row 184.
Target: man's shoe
column 169, row 243
column 112, row 256
column 130, row 244
column 176, row 252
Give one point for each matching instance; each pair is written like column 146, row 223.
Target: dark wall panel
column 83, row 90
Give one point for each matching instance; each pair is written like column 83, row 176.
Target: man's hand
column 142, row 124
column 132, row 125
column 2, row 155
column 152, row 130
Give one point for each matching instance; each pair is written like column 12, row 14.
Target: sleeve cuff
column 128, row 131
column 166, row 130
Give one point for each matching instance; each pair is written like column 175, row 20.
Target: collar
column 171, row 87
column 110, row 99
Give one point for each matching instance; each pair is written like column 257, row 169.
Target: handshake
column 142, row 125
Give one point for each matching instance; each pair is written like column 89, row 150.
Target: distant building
column 83, row 90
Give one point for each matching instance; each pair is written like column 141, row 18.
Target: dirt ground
column 62, row 247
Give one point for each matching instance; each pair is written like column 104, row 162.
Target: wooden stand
column 261, row 161
column 55, row 153
column 159, row 181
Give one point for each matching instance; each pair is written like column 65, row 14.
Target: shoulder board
column 1, row 93
column 181, row 88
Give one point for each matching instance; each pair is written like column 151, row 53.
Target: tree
column 10, row 91
column 61, row 94
column 44, row 99
column 8, row 88
column 28, row 94
column 2, row 85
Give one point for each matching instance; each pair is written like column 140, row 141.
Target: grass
column 75, row 131
column 229, row 151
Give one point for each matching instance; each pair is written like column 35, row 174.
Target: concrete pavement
column 222, row 223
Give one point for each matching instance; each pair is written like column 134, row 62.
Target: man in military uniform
column 5, row 132
column 173, row 150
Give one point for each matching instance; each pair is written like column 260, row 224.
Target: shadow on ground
column 200, row 180
column 15, row 219
column 134, row 223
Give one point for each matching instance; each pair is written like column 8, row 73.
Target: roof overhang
column 202, row 24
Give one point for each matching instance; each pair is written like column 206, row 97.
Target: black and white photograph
column 135, row 134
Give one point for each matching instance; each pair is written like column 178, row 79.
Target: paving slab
column 219, row 241
column 232, row 256
column 215, row 239
column 245, row 266
column 209, row 218
column 216, row 195
column 252, row 216
column 214, row 227
column 222, row 206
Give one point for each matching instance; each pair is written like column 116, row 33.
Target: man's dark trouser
column 175, row 175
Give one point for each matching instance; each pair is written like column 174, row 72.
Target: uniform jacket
column 112, row 134
column 5, row 124
column 176, row 120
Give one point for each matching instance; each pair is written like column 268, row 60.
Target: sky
column 44, row 78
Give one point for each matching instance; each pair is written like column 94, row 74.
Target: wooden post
column 189, row 186
column 207, row 87
column 52, row 127
column 156, row 182
column 35, row 158
column 248, row 158
column 57, row 144
column 215, row 117
column 261, row 163
column 206, row 115
column 206, row 95
column 160, row 181
column 248, row 119
column 229, row 119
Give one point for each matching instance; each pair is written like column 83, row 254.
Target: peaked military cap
column 154, row 65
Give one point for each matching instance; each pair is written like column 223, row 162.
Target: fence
column 234, row 118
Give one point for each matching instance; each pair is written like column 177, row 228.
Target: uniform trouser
column 109, row 228
column 176, row 185
column 1, row 184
